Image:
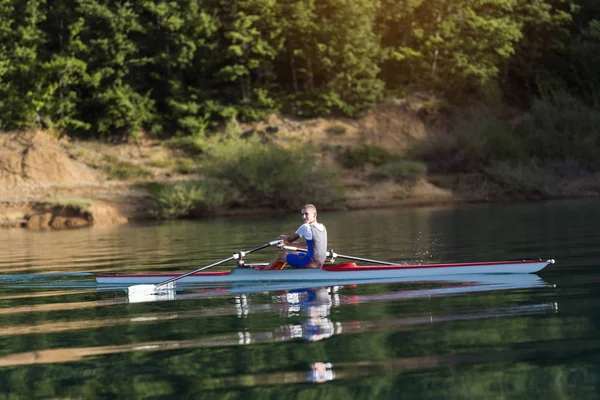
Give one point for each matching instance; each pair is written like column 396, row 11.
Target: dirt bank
column 50, row 183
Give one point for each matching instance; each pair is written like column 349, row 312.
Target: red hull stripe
column 353, row 267
column 218, row 273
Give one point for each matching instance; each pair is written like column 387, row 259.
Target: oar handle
column 334, row 255
column 235, row 256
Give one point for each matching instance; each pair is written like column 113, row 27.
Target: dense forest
column 96, row 68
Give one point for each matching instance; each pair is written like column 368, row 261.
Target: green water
column 62, row 337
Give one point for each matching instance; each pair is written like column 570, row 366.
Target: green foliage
column 561, row 127
column 112, row 69
column 337, row 130
column 251, row 39
column 180, row 43
column 126, row 170
column 24, row 89
column 66, row 70
column 356, row 157
column 333, row 54
column 114, row 104
column 474, row 140
column 585, row 63
column 537, row 59
column 521, row 180
column 231, row 129
column 193, row 145
column 184, row 166
column 454, row 45
column 217, row 194
column 159, row 163
column 77, row 203
column 177, row 200
column 400, row 171
column 258, row 107
column 189, row 199
column 270, row 175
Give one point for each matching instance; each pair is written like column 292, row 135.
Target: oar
column 153, row 289
column 333, row 255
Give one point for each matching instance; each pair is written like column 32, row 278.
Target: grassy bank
column 473, row 155
column 479, row 154
column 549, row 152
column 249, row 173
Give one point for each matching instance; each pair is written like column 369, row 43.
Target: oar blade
column 147, row 293
column 142, row 293
column 141, row 290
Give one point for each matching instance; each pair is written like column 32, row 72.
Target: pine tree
column 250, row 37
column 23, row 90
column 334, row 55
column 115, row 100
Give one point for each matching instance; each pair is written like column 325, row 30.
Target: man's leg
column 278, row 262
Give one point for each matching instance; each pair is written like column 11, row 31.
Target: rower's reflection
column 320, row 372
column 314, row 305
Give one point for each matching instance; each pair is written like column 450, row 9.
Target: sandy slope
column 36, row 168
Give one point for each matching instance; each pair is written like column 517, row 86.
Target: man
column 315, row 235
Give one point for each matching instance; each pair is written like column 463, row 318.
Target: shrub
column 400, row 171
column 217, row 194
column 126, row 170
column 474, row 140
column 177, row 200
column 189, row 199
column 80, row 153
column 77, row 203
column 337, row 130
column 354, row 157
column 159, row 163
column 562, row 128
column 270, row 175
column 193, row 145
column 184, row 166
column 521, row 179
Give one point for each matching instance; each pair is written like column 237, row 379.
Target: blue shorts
column 301, row 260
column 298, row 260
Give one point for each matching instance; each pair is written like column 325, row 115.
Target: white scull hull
column 334, row 273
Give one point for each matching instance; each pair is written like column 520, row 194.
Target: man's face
column 308, row 215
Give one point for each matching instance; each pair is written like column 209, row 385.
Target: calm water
column 535, row 337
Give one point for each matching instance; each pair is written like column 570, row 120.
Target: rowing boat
column 334, row 273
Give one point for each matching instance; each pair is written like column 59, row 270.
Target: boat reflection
column 314, row 307
column 447, row 285
column 306, row 315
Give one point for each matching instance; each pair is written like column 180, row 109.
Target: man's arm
column 289, row 238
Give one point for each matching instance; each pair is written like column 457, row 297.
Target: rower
column 315, row 235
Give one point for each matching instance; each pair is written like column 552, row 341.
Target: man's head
column 309, row 213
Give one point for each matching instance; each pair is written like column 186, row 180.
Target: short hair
column 309, row 206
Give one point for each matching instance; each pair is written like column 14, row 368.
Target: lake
column 63, row 336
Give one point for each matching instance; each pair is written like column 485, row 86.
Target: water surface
column 528, row 337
